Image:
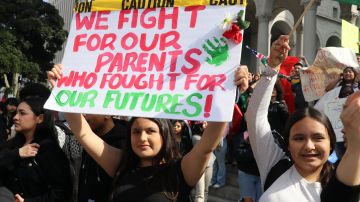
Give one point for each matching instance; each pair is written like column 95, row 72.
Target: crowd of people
column 55, row 156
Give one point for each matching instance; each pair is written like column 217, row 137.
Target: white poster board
column 328, row 64
column 161, row 62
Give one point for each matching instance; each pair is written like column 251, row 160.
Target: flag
column 285, row 69
column 237, row 119
column 261, row 56
column 355, row 2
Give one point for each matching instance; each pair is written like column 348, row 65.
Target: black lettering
column 141, row 4
column 232, row 2
column 88, row 6
column 170, row 3
column 133, row 4
column 213, row 2
column 83, row 7
column 223, row 2
column 124, row 7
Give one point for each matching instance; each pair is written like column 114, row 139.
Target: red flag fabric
column 285, row 69
column 237, row 118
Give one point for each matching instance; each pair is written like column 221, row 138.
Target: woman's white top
column 290, row 186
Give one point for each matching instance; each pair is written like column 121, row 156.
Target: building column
column 263, row 36
column 299, row 41
column 310, row 30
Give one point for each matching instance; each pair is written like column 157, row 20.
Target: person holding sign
column 150, row 167
column 347, row 84
column 310, row 139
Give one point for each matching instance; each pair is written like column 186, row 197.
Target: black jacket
column 278, row 115
column 94, row 182
column 45, row 177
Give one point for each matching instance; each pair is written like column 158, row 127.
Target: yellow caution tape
column 109, row 5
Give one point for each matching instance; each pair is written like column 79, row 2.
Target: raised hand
column 242, row 78
column 279, row 51
column 54, row 74
column 351, row 121
column 18, row 198
column 29, row 150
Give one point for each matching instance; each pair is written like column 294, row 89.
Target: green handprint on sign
column 218, row 52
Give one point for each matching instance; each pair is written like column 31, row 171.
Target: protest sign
column 349, row 36
column 158, row 62
column 107, row 5
column 329, row 62
column 333, row 110
column 331, row 105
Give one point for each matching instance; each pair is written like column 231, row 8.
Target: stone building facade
column 321, row 26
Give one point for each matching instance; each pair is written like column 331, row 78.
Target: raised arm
column 266, row 151
column 345, row 185
column 194, row 163
column 333, row 84
column 348, row 171
column 106, row 156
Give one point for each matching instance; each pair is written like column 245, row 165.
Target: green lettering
column 75, row 100
column 60, row 94
column 124, row 102
column 90, row 97
column 196, row 105
column 175, row 103
column 147, row 105
column 135, row 99
column 109, row 98
column 163, row 100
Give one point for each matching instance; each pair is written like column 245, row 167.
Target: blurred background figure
column 182, row 135
column 201, row 189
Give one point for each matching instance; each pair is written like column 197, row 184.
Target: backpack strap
column 276, row 171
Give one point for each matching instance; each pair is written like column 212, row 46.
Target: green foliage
column 32, row 33
column 243, row 24
column 12, row 59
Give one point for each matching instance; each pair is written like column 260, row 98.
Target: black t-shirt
column 153, row 184
column 94, row 182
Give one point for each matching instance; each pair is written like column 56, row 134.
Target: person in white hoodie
column 309, row 138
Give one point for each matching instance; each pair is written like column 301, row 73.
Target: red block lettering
column 195, row 63
column 100, row 18
column 194, row 12
column 78, row 42
column 171, row 16
column 151, row 19
column 88, row 22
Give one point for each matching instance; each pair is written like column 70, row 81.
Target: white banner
column 160, row 62
column 329, row 62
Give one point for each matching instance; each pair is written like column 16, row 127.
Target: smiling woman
column 309, row 139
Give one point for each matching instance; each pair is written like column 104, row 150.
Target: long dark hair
column 355, row 82
column 327, row 170
column 279, row 91
column 43, row 130
column 169, row 153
